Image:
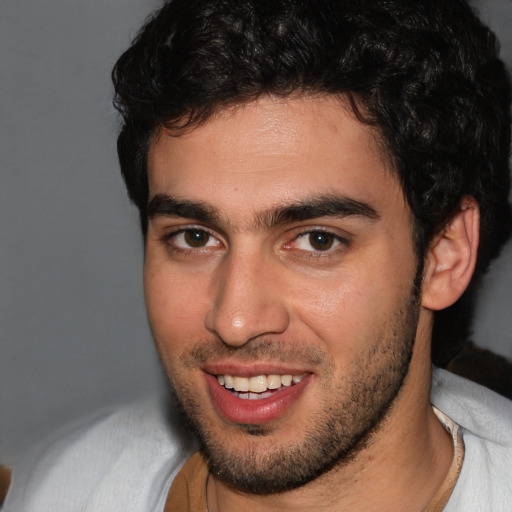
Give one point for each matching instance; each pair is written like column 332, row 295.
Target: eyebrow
column 319, row 206
column 163, row 205
column 301, row 210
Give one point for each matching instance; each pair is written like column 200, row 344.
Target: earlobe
column 451, row 258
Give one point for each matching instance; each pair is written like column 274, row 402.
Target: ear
column 451, row 258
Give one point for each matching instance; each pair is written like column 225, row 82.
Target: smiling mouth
column 259, row 386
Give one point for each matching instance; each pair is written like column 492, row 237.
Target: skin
column 255, row 294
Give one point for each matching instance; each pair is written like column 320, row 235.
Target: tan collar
column 441, row 497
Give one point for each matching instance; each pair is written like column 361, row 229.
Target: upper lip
column 252, row 370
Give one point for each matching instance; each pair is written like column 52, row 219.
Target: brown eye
column 318, row 241
column 196, row 238
column 321, row 241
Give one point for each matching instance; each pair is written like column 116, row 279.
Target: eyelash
column 318, row 253
column 315, row 253
column 167, row 240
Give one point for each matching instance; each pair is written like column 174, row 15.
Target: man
column 316, row 182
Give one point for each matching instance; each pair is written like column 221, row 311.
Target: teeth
column 274, row 381
column 249, row 387
column 258, row 384
column 241, row 384
column 253, row 396
column 228, row 381
column 286, row 380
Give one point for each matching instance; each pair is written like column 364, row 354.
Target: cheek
column 334, row 308
column 351, row 311
column 176, row 309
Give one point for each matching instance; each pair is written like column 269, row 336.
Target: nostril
column 236, row 328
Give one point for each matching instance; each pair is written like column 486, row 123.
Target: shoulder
column 485, row 419
column 119, row 459
column 474, row 407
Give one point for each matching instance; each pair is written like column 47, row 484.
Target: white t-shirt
column 124, row 460
column 485, row 418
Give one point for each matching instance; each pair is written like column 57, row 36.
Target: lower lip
column 253, row 412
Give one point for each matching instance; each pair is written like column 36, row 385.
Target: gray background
column 73, row 331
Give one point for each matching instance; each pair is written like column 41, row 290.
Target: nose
column 248, row 301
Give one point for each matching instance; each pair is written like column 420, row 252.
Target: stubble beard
column 333, row 437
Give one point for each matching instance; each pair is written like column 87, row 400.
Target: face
column 279, row 280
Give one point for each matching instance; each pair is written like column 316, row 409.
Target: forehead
column 271, row 151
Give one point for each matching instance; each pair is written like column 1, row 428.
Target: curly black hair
column 425, row 73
